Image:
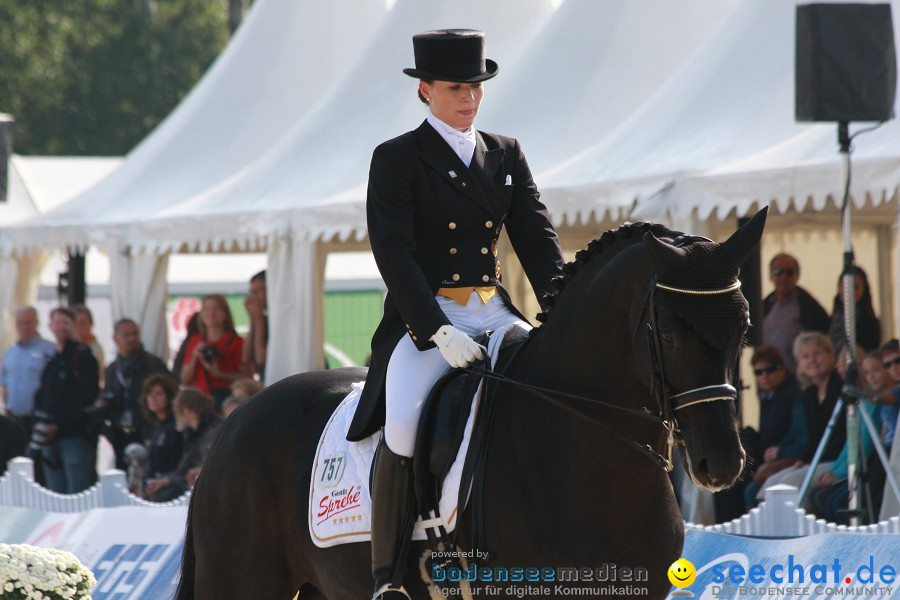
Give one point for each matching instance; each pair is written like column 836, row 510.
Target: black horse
column 644, row 318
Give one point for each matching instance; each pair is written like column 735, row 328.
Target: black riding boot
column 392, row 518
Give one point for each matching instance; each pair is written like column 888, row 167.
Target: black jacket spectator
column 12, row 441
column 817, row 416
column 812, row 316
column 166, row 447
column 69, row 384
column 122, row 396
column 775, row 413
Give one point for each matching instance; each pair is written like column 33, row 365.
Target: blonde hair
column 811, row 338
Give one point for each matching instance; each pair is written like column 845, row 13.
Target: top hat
column 451, row 55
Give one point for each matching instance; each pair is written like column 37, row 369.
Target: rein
column 668, row 404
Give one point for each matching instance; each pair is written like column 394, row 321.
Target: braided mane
column 595, row 247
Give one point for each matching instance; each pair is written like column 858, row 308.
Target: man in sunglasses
column 789, row 309
column 777, row 390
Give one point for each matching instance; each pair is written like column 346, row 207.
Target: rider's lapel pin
column 453, row 174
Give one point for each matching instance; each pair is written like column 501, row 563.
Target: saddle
column 440, row 434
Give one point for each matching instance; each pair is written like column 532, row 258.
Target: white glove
column 457, row 348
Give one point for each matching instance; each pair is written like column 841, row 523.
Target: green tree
column 94, row 76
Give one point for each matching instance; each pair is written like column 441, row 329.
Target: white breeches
column 411, row 373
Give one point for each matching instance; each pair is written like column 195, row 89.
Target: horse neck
column 586, row 348
column 586, row 344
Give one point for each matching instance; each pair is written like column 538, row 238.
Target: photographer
column 64, row 435
column 121, row 401
column 214, row 355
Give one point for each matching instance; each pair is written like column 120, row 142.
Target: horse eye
column 666, row 336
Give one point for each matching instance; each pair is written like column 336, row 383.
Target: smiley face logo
column 682, row 573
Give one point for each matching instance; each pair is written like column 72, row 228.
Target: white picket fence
column 17, row 488
column 779, row 516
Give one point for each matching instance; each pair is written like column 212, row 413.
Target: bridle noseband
column 667, row 403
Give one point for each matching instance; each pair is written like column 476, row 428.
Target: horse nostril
column 702, row 469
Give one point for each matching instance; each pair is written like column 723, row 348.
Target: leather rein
column 667, row 403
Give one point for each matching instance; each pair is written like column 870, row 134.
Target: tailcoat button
column 455, row 277
column 452, row 225
column 485, row 278
column 484, row 250
column 489, row 224
column 452, row 250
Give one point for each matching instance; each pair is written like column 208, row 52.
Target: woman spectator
column 165, row 443
column 213, row 357
column 194, row 417
column 868, row 328
column 816, row 369
column 778, row 391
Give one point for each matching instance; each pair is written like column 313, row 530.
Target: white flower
column 30, row 573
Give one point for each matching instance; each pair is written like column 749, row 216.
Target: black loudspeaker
column 846, row 66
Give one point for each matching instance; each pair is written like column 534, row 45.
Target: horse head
column 696, row 319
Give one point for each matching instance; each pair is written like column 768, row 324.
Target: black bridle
column 667, row 403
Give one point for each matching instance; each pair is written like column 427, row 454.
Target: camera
column 209, row 353
column 41, row 434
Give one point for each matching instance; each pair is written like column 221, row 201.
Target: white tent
column 36, row 185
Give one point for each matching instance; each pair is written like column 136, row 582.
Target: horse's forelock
column 717, row 318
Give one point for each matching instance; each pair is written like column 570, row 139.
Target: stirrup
column 389, row 592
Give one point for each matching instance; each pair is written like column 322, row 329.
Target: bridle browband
column 667, row 403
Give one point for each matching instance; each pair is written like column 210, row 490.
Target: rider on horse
column 438, row 198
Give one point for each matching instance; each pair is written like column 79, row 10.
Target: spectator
column 890, row 356
column 193, row 328
column 816, row 369
column 245, row 387
column 12, row 441
column 874, row 376
column 789, row 309
column 868, row 328
column 890, row 399
column 778, row 391
column 213, row 356
column 165, row 443
column 69, row 384
column 122, row 393
column 256, row 303
column 23, row 363
column 829, row 494
column 231, row 404
column 84, row 323
column 194, row 417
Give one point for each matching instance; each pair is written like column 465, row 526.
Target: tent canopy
column 640, row 108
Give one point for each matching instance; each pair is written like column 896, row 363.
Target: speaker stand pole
column 849, row 327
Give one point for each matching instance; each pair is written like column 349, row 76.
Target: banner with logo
column 133, row 552
column 835, row 565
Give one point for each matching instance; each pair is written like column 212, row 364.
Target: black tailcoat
column 433, row 223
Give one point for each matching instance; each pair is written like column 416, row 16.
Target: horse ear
column 744, row 240
column 667, row 257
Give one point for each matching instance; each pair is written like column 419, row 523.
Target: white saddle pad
column 340, row 507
